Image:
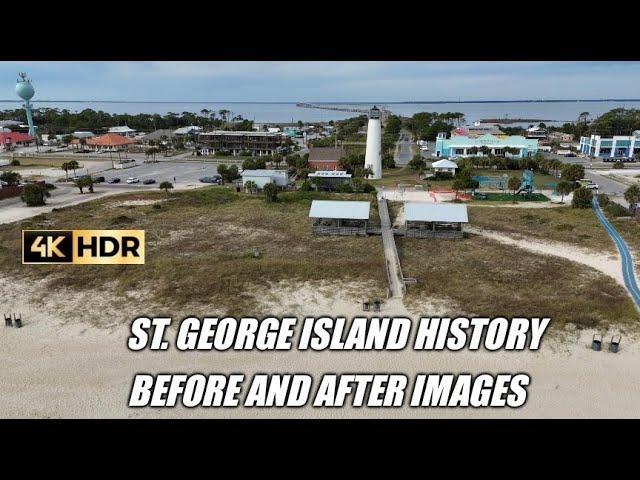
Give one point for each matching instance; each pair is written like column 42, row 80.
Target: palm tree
column 166, row 186
column 485, row 150
column 73, row 164
column 632, row 195
column 224, row 114
column 564, row 188
column 65, row 166
column 513, row 184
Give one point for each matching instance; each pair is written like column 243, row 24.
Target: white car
column 133, row 180
column 592, row 186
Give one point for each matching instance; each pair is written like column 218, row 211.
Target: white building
column 616, row 146
column 187, row 130
column 123, row 130
column 262, row 177
column 446, row 166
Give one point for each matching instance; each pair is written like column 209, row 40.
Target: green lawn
column 508, row 197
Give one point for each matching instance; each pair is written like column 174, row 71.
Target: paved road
column 396, row 284
column 628, row 272
column 402, row 154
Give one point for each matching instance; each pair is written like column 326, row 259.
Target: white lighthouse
column 373, row 155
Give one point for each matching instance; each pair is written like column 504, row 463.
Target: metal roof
column 240, row 133
column 325, row 154
column 331, row 174
column 263, row 173
column 121, row 129
column 444, row 164
column 339, row 209
column 435, row 212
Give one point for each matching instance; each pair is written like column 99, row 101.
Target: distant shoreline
column 412, row 102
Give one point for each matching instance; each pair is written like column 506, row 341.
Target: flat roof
column 331, row 174
column 263, row 173
column 339, row 209
column 240, row 133
column 435, row 212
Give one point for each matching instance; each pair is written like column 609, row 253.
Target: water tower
column 373, row 155
column 25, row 91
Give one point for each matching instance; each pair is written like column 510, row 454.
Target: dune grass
column 209, row 245
column 578, row 227
column 484, row 277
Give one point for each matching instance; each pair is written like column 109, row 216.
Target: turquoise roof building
column 462, row 146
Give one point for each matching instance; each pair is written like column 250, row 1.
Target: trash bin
column 7, row 320
column 376, row 305
column 18, row 321
column 365, row 306
column 238, row 189
column 614, row 346
column 596, row 343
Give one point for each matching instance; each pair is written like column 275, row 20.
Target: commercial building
column 9, row 140
column 187, row 130
column 434, row 220
column 444, row 166
column 261, row 177
column 329, row 179
column 325, row 158
column 334, row 217
column 160, row 135
column 123, row 130
column 256, row 143
column 108, row 141
column 613, row 147
column 462, row 146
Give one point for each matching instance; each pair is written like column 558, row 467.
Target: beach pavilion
column 335, row 217
column 434, row 220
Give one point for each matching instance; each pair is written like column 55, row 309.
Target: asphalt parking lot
column 181, row 174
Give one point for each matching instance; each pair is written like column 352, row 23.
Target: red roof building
column 14, row 137
column 110, row 140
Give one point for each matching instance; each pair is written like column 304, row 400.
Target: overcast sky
column 323, row 81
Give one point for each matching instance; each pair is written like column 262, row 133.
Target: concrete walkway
column 628, row 272
column 396, row 283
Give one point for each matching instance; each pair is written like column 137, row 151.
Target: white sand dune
column 60, row 365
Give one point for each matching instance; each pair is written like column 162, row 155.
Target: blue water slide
column 628, row 272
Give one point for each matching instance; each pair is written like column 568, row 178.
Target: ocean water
column 551, row 112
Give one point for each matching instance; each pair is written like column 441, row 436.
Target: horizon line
column 401, row 102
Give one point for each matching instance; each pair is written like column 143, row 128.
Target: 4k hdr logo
column 101, row 247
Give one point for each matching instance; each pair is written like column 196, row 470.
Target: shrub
column 616, row 210
column 270, row 192
column 34, row 195
column 582, row 198
column 15, row 163
column 50, row 186
column 344, row 188
column 603, row 200
column 618, row 165
column 306, row 186
column 442, row 176
column 368, row 188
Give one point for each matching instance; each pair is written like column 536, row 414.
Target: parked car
column 149, row 181
column 114, row 180
column 133, row 180
column 592, row 186
column 212, row 179
column 98, row 179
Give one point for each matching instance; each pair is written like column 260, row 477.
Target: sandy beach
column 70, row 360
